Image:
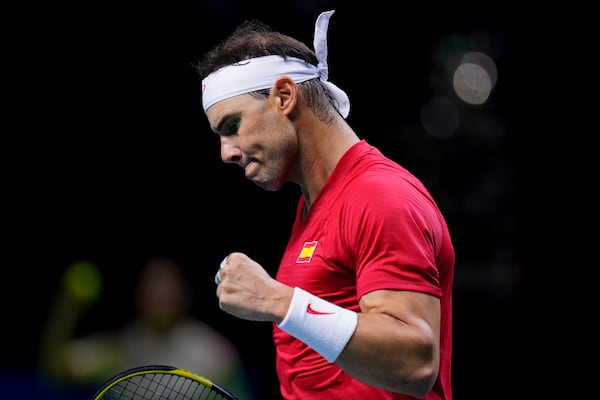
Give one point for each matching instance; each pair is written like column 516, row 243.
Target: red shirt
column 374, row 226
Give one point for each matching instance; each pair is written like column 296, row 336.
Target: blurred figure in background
column 163, row 331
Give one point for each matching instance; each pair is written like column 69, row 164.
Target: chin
column 269, row 186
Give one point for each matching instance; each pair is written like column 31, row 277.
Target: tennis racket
column 160, row 382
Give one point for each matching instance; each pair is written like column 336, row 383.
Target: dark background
column 110, row 159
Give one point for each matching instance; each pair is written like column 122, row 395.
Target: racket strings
column 161, row 386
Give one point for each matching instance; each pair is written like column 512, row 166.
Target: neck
column 322, row 145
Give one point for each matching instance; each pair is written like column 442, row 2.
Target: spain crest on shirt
column 307, row 252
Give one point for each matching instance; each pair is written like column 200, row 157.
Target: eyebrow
column 226, row 123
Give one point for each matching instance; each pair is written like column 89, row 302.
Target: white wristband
column 322, row 325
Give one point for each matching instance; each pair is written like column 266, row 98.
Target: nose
column 229, row 152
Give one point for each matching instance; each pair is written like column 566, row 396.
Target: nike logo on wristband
column 311, row 310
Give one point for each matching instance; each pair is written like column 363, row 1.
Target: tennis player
column 361, row 303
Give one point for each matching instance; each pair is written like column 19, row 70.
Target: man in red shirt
column 361, row 304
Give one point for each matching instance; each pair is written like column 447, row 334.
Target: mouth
column 251, row 169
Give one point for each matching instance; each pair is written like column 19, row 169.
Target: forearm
column 392, row 355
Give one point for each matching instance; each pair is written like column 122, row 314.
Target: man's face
column 256, row 135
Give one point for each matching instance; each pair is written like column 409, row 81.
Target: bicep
column 396, row 342
column 415, row 309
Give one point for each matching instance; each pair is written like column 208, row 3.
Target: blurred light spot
column 475, row 77
column 440, row 117
column 485, row 62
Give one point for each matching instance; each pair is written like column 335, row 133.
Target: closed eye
column 229, row 125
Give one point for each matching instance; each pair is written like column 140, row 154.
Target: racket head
column 160, row 382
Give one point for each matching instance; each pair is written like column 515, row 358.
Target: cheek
column 286, row 146
column 270, row 130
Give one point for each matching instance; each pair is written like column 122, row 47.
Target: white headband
column 260, row 73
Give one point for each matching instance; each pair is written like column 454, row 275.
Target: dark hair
column 253, row 38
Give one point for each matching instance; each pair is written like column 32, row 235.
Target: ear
column 285, row 94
